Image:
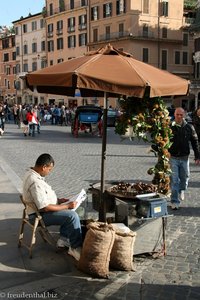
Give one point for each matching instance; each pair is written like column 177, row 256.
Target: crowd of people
column 30, row 117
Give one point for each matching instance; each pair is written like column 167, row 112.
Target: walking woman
column 2, row 119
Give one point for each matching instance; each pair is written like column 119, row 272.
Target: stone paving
column 78, row 161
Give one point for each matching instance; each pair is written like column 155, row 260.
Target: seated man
column 36, row 190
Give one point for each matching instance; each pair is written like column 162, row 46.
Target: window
column 18, row 68
column 197, row 44
column 13, row 41
column 25, row 49
column 59, row 27
column 71, row 4
column 43, row 63
column 51, row 62
column 71, row 24
column 120, row 7
column 34, row 65
column 34, row 47
column 82, row 22
column 43, row 46
column 177, row 57
column 50, row 46
column 60, row 60
column 165, row 8
column 82, row 39
column 6, row 57
column 16, row 30
column 95, row 35
column 94, row 13
column 145, row 30
column 60, row 24
column 5, row 43
column 164, row 32
column 185, row 58
column 34, row 25
column 50, row 30
column 24, row 28
column 146, row 6
column 17, row 50
column 59, row 43
column 51, row 9
column 185, row 39
column 14, row 56
column 25, row 67
column 61, row 5
column 8, row 85
column 121, row 29
column 83, row 2
column 107, row 10
column 7, row 70
column 164, row 59
column 41, row 23
column 107, row 32
column 145, row 55
column 72, row 41
column 14, row 70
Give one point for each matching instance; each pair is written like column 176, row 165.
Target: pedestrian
column 183, row 135
column 53, row 210
column 196, row 122
column 32, row 121
column 38, row 115
column 14, row 109
column 2, row 119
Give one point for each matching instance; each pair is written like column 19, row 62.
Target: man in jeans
column 53, row 210
column 183, row 135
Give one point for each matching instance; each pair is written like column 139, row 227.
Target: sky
column 12, row 10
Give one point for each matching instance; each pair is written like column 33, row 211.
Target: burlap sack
column 97, row 246
column 121, row 257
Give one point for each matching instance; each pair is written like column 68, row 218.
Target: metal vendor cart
column 144, row 212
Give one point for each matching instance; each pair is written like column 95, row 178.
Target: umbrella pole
column 102, row 206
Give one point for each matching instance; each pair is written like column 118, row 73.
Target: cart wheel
column 100, row 126
column 76, row 127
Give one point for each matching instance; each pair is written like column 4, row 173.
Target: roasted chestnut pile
column 133, row 188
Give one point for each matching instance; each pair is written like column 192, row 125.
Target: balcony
column 82, row 26
column 195, row 84
column 59, row 31
column 113, row 36
column 71, row 29
column 49, row 34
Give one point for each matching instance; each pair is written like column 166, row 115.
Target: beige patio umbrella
column 106, row 72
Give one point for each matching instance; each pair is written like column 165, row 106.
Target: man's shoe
column 75, row 252
column 63, row 242
column 182, row 195
column 174, row 206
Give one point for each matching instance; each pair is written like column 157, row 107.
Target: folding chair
column 37, row 225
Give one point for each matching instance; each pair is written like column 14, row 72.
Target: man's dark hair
column 44, row 159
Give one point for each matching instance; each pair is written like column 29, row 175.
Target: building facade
column 30, row 43
column 154, row 31
column 7, row 67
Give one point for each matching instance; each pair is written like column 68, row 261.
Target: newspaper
column 79, row 198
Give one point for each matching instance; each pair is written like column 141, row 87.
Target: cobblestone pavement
column 77, row 165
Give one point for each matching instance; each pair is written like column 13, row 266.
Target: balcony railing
column 82, row 26
column 71, row 29
column 114, row 35
column 59, row 31
column 49, row 34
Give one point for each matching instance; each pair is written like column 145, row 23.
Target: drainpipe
column 158, row 45
column 88, row 24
